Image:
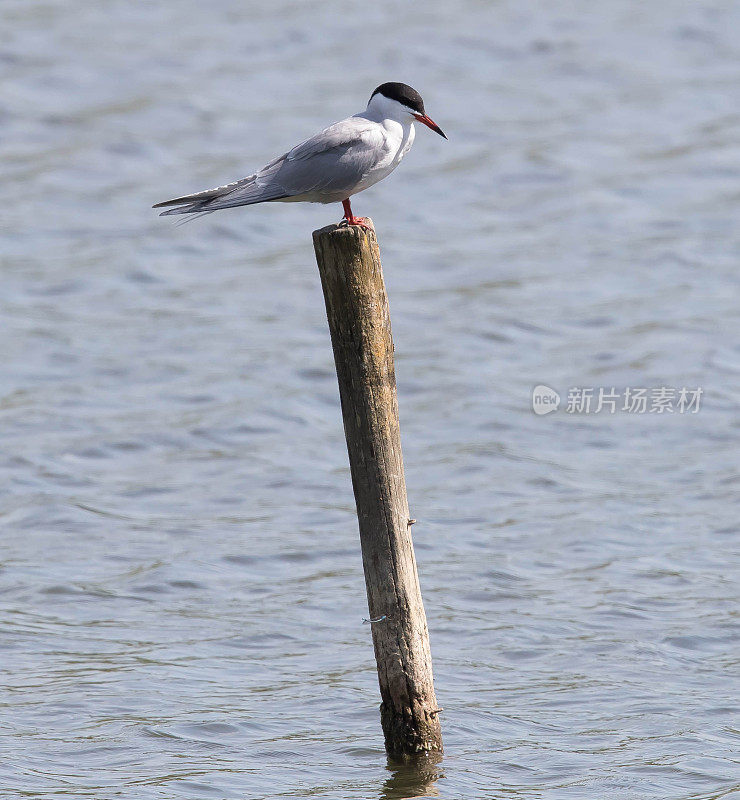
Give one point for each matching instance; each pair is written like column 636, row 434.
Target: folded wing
column 332, row 162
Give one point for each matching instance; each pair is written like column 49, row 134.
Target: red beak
column 430, row 123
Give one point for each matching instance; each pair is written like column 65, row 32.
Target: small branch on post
column 360, row 326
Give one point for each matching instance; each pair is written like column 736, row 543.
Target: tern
column 344, row 159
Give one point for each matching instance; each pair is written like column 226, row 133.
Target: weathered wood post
column 360, row 326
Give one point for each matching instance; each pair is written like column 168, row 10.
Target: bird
column 330, row 167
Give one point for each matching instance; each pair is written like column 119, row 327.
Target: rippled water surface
column 181, row 590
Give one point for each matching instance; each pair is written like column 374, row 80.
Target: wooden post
column 360, row 326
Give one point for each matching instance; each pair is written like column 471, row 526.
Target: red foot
column 351, row 219
column 362, row 222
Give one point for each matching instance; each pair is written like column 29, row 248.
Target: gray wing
column 334, row 160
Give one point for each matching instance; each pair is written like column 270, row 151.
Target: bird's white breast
column 397, row 140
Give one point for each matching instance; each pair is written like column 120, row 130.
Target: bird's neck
column 398, row 128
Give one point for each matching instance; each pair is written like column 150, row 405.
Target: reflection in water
column 413, row 779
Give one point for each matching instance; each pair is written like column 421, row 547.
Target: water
column 181, row 586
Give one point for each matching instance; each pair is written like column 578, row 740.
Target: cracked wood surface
column 359, row 322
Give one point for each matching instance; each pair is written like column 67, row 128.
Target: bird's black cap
column 403, row 93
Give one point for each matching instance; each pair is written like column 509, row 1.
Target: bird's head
column 399, row 101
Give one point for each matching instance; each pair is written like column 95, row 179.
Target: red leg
column 349, row 219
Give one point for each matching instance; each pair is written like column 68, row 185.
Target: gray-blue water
column 181, row 592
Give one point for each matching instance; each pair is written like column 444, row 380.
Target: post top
column 354, row 231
